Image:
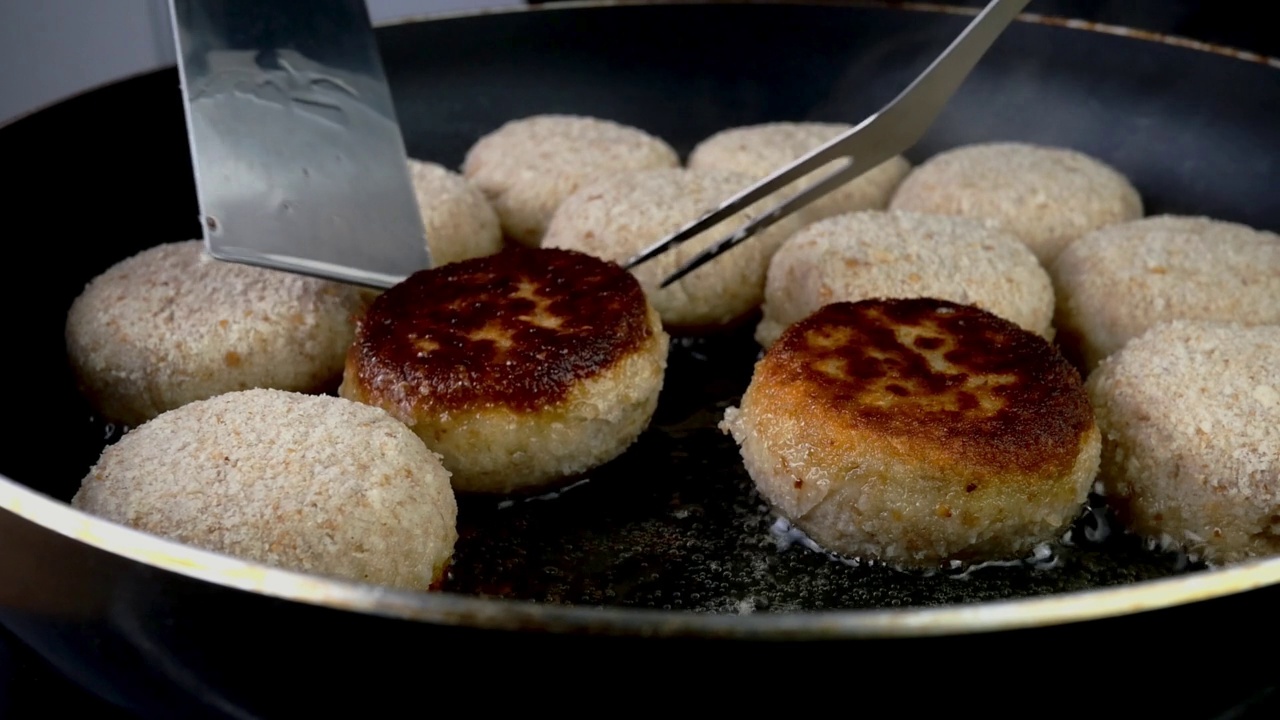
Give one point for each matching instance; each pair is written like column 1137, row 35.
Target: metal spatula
column 299, row 160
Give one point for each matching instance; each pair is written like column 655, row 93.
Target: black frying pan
column 664, row 559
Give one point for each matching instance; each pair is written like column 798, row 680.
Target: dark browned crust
column 1005, row 400
column 513, row 330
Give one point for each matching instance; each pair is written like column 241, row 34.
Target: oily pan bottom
column 674, row 523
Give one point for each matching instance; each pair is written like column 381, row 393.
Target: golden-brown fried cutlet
column 918, row 431
column 521, row 369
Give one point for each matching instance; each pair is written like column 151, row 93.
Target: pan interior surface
column 675, row 523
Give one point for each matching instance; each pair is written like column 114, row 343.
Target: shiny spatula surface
column 300, row 164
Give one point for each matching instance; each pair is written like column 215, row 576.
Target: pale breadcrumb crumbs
column 458, row 220
column 619, row 217
column 761, row 150
column 1190, row 415
column 894, row 254
column 1045, row 195
column 171, row 325
column 309, row 483
column 1115, row 283
column 527, row 167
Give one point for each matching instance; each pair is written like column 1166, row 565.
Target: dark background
column 1234, row 23
column 28, row 689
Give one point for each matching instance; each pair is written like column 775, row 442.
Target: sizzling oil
column 676, row 523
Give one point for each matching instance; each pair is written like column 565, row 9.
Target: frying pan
column 663, row 566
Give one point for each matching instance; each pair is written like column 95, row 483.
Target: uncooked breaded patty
column 760, row 150
column 1046, row 196
column 527, row 167
column 171, row 325
column 522, row 369
column 1117, row 282
column 917, row 432
column 314, row 484
column 619, row 217
column 1190, row 415
column 458, row 220
column 894, row 254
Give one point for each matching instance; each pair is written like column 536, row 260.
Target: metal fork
column 885, row 134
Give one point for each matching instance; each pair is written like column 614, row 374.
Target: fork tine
column 898, row 126
column 814, row 160
column 916, row 107
column 783, row 209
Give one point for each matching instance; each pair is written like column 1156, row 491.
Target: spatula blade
column 299, row 160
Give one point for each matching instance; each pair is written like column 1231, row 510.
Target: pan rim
column 505, row 614
column 922, row 7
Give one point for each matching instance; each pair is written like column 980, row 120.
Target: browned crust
column 513, row 330
column 952, row 381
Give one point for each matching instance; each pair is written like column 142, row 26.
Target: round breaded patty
column 761, row 150
column 458, row 220
column 171, row 325
column 527, row 167
column 1117, row 282
column 522, row 369
column 918, row 432
column 1190, row 415
column 894, row 254
column 1047, row 196
column 314, row 484
column 619, row 217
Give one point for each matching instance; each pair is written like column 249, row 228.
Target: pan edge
column 500, row 614
column 511, row 614
column 923, row 7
